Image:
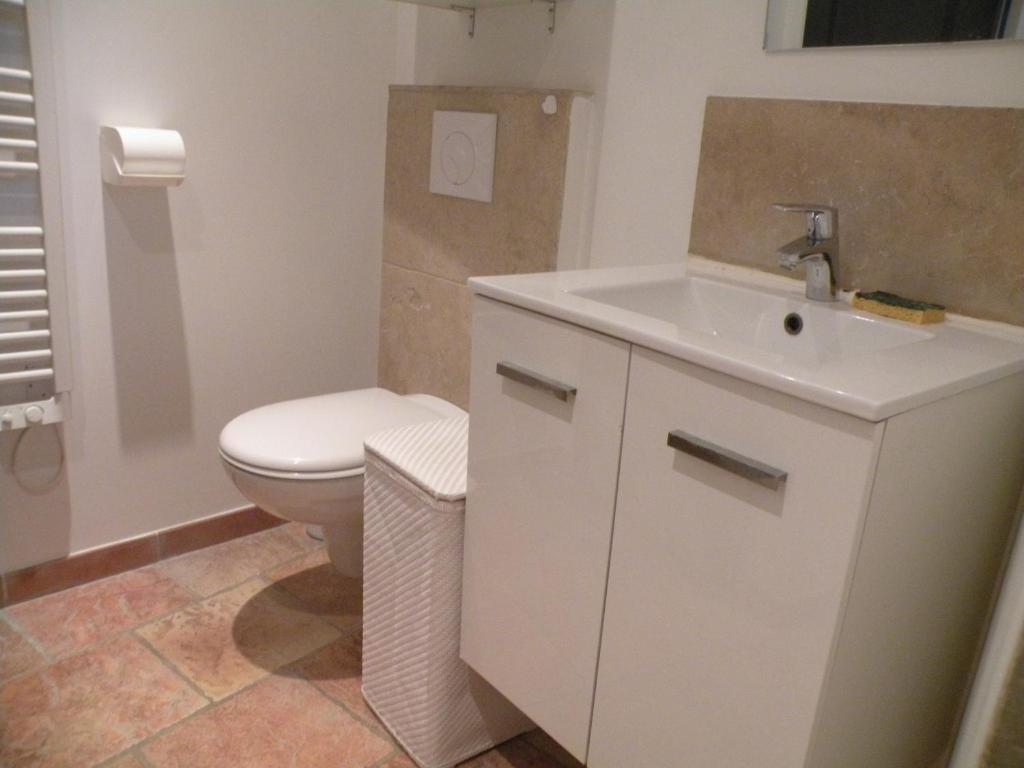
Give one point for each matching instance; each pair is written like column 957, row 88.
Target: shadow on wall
column 34, row 497
column 154, row 388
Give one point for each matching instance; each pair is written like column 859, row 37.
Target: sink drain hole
column 793, row 323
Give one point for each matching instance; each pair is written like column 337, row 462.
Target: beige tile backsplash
column 433, row 243
column 930, row 199
column 424, row 334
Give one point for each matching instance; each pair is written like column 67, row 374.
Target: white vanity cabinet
column 788, row 585
column 831, row 622
column 542, row 475
column 724, row 593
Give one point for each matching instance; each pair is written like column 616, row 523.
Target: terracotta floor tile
column 125, row 761
column 298, row 532
column 312, row 558
column 278, row 722
column 90, row 706
column 210, row 570
column 401, row 760
column 70, row 620
column 552, row 748
column 17, row 655
column 235, row 638
column 315, row 582
column 516, row 753
column 336, row 670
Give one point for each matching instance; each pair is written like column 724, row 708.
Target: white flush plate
column 462, row 154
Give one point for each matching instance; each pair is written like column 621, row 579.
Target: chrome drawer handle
column 519, row 374
column 751, row 469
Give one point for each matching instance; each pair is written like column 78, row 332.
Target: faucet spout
column 795, row 253
column 818, row 251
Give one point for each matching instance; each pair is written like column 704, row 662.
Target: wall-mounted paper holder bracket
column 141, row 157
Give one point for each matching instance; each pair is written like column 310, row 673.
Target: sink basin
column 801, row 331
column 733, row 320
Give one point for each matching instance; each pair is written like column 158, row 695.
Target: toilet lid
column 317, row 434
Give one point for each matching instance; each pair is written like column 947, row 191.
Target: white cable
column 50, row 482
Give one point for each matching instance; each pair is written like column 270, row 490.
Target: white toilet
column 302, row 460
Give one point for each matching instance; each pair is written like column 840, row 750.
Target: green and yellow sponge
column 899, row 308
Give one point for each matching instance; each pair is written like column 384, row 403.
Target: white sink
column 816, row 334
column 731, row 319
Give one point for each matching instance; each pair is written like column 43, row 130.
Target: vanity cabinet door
column 724, row 592
column 542, row 474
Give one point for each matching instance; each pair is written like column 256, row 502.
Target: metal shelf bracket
column 469, row 11
column 552, row 12
column 467, row 7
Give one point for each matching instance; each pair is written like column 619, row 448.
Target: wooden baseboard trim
column 66, row 572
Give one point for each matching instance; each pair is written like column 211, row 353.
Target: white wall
column 255, row 281
column 512, row 46
column 667, row 56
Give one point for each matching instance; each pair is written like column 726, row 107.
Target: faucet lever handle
column 821, row 219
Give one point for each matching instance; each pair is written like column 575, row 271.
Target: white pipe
column 16, row 98
column 27, row 122
column 24, row 314
column 22, row 231
column 19, row 3
column 18, row 165
column 26, row 356
column 21, row 274
column 36, row 375
column 22, row 295
column 21, row 253
column 9, row 143
column 15, row 74
column 12, row 336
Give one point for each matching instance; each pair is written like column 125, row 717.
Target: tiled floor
column 245, row 654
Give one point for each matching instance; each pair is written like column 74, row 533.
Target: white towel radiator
column 34, row 355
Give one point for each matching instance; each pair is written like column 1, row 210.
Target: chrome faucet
column 818, row 251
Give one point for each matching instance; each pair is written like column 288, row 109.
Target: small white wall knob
column 34, row 414
column 6, row 420
column 550, row 105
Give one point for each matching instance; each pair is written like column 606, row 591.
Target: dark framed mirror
column 796, row 24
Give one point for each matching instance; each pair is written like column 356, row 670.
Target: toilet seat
column 320, row 438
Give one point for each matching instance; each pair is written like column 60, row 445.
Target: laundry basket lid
column 432, row 455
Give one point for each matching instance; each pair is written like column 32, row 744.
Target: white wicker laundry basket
column 438, row 709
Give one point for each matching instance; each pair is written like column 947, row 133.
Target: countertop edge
column 868, row 410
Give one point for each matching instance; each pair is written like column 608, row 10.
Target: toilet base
column 334, row 505
column 344, row 541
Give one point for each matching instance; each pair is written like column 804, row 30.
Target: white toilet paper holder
column 141, row 157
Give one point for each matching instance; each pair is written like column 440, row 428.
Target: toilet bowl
column 302, row 460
